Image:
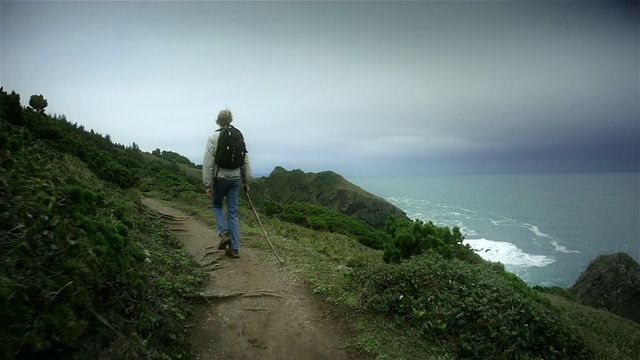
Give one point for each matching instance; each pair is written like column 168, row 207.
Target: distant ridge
column 326, row 189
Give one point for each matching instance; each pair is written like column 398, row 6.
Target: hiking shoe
column 232, row 253
column 224, row 240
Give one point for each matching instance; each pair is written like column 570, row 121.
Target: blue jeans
column 231, row 190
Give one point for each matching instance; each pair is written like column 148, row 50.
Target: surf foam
column 507, row 253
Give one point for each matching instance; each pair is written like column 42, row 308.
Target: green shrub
column 107, row 160
column 410, row 238
column 83, row 267
column 168, row 180
column 478, row 310
column 323, row 219
column 554, row 290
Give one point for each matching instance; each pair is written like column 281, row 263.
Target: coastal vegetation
column 87, row 271
column 322, row 219
column 328, row 190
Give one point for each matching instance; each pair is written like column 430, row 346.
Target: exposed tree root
column 214, row 267
column 171, row 217
column 211, row 262
column 264, row 293
column 212, row 295
column 207, row 252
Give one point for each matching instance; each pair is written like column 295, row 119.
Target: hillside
column 329, row 190
column 89, row 272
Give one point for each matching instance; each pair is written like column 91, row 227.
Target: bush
column 478, row 310
column 84, row 269
column 554, row 290
column 410, row 238
column 322, row 219
column 167, row 179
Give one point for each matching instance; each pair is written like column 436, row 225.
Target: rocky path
column 252, row 310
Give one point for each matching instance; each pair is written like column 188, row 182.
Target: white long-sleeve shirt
column 209, row 167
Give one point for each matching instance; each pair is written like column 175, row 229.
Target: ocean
column 545, row 228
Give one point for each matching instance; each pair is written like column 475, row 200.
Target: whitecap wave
column 468, row 232
column 446, row 215
column 505, row 221
column 507, row 253
column 562, row 249
column 553, row 241
column 536, row 230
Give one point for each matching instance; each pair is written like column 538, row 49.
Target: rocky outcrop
column 326, row 189
column 611, row 282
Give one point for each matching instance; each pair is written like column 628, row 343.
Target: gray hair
column 224, row 117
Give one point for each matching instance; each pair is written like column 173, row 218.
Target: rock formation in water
column 611, row 282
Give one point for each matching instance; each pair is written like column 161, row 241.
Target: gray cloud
column 355, row 87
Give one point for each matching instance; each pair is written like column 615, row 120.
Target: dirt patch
column 253, row 310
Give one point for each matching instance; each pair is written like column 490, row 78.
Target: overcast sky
column 360, row 88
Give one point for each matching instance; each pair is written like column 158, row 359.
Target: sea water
column 545, row 228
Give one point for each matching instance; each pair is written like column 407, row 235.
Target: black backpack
column 231, row 148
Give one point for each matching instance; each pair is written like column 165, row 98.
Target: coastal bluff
column 326, row 189
column 611, row 282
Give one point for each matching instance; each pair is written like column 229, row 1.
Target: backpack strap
column 215, row 174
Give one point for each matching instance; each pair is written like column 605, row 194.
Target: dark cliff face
column 611, row 282
column 326, row 189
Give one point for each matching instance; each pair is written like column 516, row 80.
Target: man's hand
column 209, row 194
column 245, row 187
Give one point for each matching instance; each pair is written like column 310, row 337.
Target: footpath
column 250, row 309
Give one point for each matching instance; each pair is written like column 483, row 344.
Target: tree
column 38, row 102
column 12, row 108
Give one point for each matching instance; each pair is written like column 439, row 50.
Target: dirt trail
column 271, row 316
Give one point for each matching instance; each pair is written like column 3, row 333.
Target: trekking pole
column 262, row 227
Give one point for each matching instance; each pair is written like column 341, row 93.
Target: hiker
column 225, row 168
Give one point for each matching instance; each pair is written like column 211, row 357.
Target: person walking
column 225, row 169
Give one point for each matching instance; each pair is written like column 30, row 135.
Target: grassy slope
column 330, row 264
column 613, row 337
column 189, row 172
column 86, row 271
